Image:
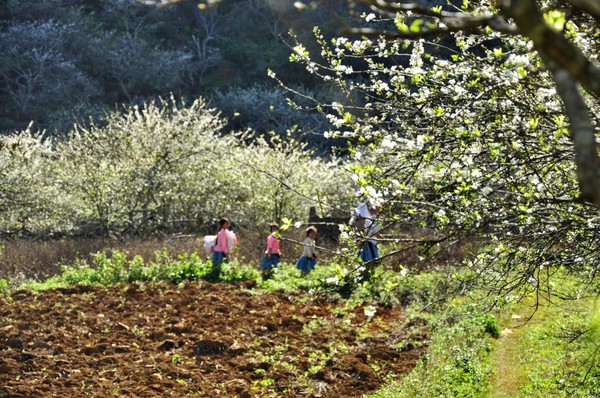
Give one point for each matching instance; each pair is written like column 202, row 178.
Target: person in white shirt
column 308, row 261
column 364, row 217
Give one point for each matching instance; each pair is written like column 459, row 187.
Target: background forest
column 103, row 65
column 66, row 61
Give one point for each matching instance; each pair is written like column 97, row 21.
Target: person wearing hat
column 272, row 255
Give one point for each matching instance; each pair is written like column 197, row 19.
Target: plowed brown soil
column 197, row 339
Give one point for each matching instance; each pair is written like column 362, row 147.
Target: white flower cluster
column 519, row 60
column 344, row 69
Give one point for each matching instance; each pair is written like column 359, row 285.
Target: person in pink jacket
column 272, row 255
column 220, row 250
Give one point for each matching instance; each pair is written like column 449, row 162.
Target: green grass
column 457, row 363
column 472, row 353
column 557, row 352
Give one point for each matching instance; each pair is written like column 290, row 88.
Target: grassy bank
column 457, row 363
column 553, row 354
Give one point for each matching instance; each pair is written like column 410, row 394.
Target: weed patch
column 457, row 360
column 114, row 267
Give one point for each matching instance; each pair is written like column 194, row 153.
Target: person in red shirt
column 220, row 249
column 272, row 255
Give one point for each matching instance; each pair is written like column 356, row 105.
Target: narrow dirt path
column 508, row 375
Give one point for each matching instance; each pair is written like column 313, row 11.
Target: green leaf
column 400, row 23
column 415, row 26
column 556, row 19
column 286, row 224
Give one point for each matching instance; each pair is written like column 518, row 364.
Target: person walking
column 365, row 216
column 220, row 249
column 308, row 261
column 272, row 255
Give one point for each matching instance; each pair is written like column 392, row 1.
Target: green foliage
column 402, row 288
column 419, row 289
column 457, row 360
column 490, row 325
column 115, row 267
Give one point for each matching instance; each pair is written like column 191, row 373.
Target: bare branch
column 168, row 3
column 394, row 7
column 462, row 24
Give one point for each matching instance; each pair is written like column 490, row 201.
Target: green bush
column 490, row 324
column 114, row 267
column 457, row 361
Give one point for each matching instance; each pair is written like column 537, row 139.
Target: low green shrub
column 403, row 288
column 114, row 266
column 287, row 278
column 457, row 363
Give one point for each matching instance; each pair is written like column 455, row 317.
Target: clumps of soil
column 196, row 339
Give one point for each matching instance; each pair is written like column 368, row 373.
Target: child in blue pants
column 220, row 249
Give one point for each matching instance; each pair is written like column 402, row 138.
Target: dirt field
column 199, row 339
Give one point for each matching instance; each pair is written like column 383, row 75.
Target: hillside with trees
column 63, row 62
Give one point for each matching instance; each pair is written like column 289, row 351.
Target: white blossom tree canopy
column 471, row 118
column 555, row 28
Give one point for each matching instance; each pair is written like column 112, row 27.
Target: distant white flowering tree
column 167, row 167
column 29, row 202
